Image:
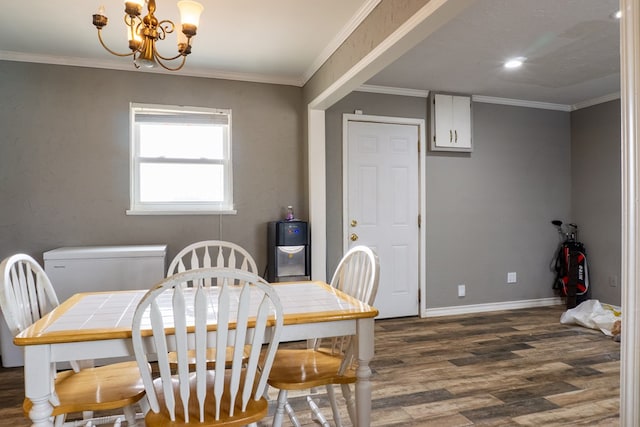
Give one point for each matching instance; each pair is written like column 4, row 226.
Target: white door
column 382, row 208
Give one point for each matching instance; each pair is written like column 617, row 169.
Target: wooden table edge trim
column 362, row 311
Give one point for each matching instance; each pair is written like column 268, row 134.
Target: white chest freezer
column 104, row 268
column 94, row 268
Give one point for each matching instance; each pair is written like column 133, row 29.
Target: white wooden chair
column 26, row 294
column 174, row 315
column 212, row 253
column 328, row 361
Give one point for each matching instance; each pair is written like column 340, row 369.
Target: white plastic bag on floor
column 591, row 314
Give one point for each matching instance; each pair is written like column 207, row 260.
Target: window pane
column 181, row 159
column 181, row 183
column 181, row 141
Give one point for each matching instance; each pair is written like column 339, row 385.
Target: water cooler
column 289, row 251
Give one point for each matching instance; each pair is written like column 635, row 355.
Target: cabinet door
column 443, row 106
column 461, row 106
column 451, row 123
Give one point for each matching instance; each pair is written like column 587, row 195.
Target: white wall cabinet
column 451, row 123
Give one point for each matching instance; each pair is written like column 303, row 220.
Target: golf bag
column 572, row 272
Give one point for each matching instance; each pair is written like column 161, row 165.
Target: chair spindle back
column 212, row 253
column 357, row 275
column 180, row 311
column 26, row 293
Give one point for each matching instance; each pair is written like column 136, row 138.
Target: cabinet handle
column 456, row 132
column 353, row 237
column 354, row 223
column 450, row 136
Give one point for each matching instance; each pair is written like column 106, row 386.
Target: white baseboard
column 494, row 306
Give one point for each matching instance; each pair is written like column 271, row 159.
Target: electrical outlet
column 613, row 281
column 462, row 290
column 512, row 277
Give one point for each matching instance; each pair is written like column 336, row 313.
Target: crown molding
column 340, row 38
column 245, row 77
column 388, row 90
column 520, row 103
column 595, row 101
column 287, row 81
column 127, row 66
column 63, row 60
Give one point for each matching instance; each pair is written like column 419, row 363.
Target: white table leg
column 365, row 349
column 38, row 382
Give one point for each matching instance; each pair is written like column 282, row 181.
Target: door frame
column 422, row 180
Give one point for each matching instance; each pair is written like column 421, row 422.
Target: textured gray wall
column 596, row 188
column 64, row 158
column 64, row 177
column 488, row 212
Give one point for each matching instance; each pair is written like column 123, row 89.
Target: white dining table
column 97, row 325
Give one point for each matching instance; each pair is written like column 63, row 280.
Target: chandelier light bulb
column 133, row 36
column 190, row 12
column 145, row 63
column 138, row 2
column 182, row 38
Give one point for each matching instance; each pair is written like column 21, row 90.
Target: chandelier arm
column 184, row 59
column 109, row 50
column 131, row 21
column 165, row 27
column 158, row 56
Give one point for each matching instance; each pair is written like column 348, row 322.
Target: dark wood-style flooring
column 508, row 368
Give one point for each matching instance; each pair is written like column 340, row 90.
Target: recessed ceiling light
column 514, row 62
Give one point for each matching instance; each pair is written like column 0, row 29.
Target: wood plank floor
column 508, row 368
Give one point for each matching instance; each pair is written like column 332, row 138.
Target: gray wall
column 596, row 189
column 64, row 158
column 64, row 177
column 488, row 212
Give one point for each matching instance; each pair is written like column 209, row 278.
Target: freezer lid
column 93, row 252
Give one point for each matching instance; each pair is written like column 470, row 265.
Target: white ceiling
column 279, row 41
column 571, row 46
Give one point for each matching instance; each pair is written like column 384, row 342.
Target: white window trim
column 176, row 208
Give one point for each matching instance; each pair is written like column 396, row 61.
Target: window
column 180, row 160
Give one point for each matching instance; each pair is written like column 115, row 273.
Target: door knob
column 353, row 237
column 354, row 222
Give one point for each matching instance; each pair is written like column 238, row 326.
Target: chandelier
column 144, row 32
